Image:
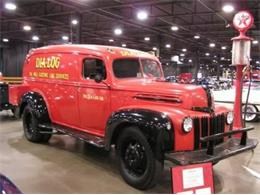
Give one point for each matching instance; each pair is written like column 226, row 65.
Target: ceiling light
column 10, row 6
column 228, row 8
column 147, row 38
column 174, row 28
column 258, row 62
column 190, row 60
column 255, row 42
column 207, row 54
column 27, row 28
column 111, row 40
column 222, row 58
column 5, row 40
column 154, row 48
column 168, row 45
column 74, row 22
column 123, row 45
column 223, row 47
column 212, row 45
column 184, row 49
column 142, row 15
column 182, row 54
column 65, row 38
column 118, row 31
column 35, row 38
column 196, row 37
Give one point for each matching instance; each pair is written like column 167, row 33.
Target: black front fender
column 156, row 126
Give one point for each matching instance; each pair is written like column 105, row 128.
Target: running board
column 81, row 135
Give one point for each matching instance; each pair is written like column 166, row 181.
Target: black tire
column 250, row 117
column 31, row 129
column 137, row 163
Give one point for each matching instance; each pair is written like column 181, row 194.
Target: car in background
column 172, row 79
column 254, row 84
column 227, row 97
column 185, row 78
column 215, row 84
column 255, row 75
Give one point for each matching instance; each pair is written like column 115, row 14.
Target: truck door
column 60, row 88
column 94, row 98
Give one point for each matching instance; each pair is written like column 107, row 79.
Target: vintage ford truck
column 116, row 96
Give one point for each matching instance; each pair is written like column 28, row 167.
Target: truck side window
column 127, row 68
column 92, row 67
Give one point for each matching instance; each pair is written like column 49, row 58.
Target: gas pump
column 242, row 22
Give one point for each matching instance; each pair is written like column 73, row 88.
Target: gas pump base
column 228, row 148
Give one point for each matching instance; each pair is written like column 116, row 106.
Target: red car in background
column 185, row 78
column 255, row 75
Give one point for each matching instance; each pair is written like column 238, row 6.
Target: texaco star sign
column 243, row 20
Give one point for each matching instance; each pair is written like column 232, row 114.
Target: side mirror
column 98, row 78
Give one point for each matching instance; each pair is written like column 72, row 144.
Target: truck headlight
column 187, row 124
column 230, row 118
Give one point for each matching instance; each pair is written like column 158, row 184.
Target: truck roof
column 96, row 49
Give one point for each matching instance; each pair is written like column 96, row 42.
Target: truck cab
column 109, row 96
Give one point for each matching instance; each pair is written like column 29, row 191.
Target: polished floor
column 67, row 165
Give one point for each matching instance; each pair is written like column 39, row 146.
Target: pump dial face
column 243, row 20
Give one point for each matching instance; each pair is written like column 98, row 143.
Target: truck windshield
column 131, row 68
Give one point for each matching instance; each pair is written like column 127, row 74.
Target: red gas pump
column 242, row 21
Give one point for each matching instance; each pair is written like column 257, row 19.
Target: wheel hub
column 135, row 158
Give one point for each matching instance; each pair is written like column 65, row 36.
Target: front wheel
column 250, row 117
column 137, row 163
column 31, row 129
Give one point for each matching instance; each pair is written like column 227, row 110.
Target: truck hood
column 181, row 95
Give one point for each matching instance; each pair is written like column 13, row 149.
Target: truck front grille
column 208, row 126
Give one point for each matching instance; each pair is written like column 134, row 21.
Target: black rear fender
column 38, row 105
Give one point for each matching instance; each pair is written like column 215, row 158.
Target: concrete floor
column 67, row 165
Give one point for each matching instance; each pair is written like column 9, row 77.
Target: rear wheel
column 137, row 163
column 250, row 117
column 31, row 129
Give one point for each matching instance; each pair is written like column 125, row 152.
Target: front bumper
column 215, row 153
